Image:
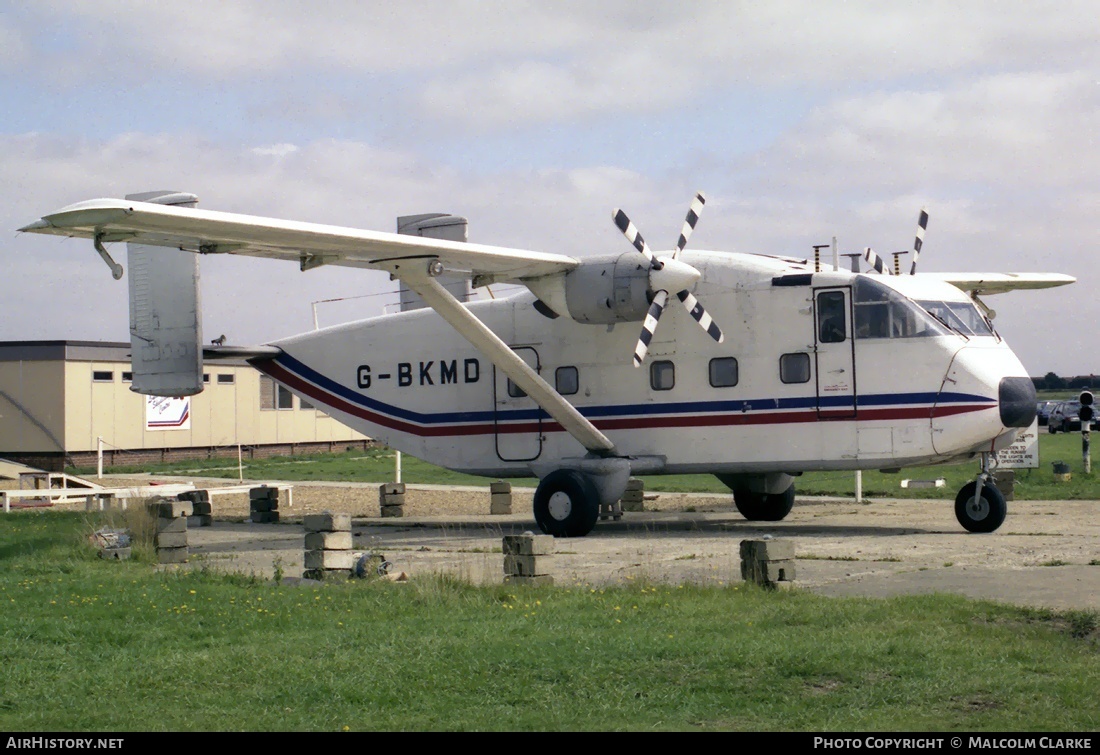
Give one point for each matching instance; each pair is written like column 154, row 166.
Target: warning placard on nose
column 1024, row 453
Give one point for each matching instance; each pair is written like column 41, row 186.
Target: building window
column 303, row 404
column 284, row 397
column 662, row 376
column 127, row 377
column 794, row 368
column 226, row 379
column 566, row 380
column 514, row 390
column 723, row 372
column 205, row 378
column 103, row 376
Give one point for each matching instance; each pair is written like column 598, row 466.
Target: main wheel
column 566, row 504
column 983, row 515
column 764, row 507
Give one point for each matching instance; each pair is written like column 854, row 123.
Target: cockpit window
column 881, row 312
column 961, row 315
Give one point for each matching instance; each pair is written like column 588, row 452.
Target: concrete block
column 633, row 496
column 263, row 504
column 171, row 509
column 393, row 511
column 326, row 574
column 398, row 499
column 500, row 507
column 328, row 541
column 635, row 483
column 115, row 554
column 528, row 545
column 176, row 524
column 632, row 505
column 777, row 571
column 391, row 488
column 172, row 555
column 170, row 539
column 500, row 486
column 527, row 566
column 344, row 560
column 542, row 579
column 327, row 522
column 264, row 517
column 767, row 550
column 200, row 520
column 201, row 508
column 263, row 493
column 195, row 496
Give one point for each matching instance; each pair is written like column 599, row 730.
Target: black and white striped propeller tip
column 691, row 220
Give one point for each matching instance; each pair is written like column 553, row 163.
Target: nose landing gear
column 980, row 506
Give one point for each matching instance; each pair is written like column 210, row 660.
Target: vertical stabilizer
column 165, row 324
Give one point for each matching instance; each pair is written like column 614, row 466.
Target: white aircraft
column 793, row 366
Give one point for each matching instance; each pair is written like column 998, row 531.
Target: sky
column 800, row 120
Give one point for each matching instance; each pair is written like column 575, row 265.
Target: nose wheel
column 980, row 506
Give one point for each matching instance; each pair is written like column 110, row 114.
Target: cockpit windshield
column 881, row 312
column 961, row 315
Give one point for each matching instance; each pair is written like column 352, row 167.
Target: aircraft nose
column 1016, row 397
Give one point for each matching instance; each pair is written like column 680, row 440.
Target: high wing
column 309, row 244
column 999, row 283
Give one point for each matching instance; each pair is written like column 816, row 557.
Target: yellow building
column 58, row 398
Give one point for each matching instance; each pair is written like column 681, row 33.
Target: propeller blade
column 649, row 326
column 706, row 322
column 875, row 261
column 918, row 242
column 623, row 223
column 692, row 218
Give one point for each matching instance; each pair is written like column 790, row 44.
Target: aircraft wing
column 998, row 283
column 309, row 244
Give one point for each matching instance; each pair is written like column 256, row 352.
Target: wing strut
column 417, row 275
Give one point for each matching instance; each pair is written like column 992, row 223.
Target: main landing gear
column 980, row 506
column 567, row 504
column 764, row 507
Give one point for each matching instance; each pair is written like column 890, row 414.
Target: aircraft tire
column 566, row 504
column 764, row 507
column 984, row 516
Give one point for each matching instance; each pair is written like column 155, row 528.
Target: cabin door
column 517, row 418
column 834, row 348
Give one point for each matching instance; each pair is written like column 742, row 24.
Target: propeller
column 669, row 275
column 918, row 242
column 875, row 261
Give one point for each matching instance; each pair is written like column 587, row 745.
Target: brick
column 495, row 488
column 343, row 560
column 172, row 555
column 542, row 579
column 767, row 550
column 264, row 517
column 527, row 566
column 328, row 541
column 172, row 509
column 200, row 520
column 528, row 545
column 391, row 488
column 263, row 504
column 393, row 511
column 500, row 507
column 263, row 493
column 178, row 524
column 327, row 522
column 201, row 508
column 115, row 554
column 171, row 539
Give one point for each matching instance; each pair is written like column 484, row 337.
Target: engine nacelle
column 610, row 288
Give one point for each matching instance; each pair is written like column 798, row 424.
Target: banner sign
column 167, row 413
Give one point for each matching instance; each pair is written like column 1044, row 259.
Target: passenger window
column 831, row 322
column 723, row 372
column 566, row 380
column 514, row 390
column 662, row 376
column 794, row 368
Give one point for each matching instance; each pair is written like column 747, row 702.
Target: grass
column 200, row 650
column 376, row 465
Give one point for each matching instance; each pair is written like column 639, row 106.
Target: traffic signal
column 1086, row 412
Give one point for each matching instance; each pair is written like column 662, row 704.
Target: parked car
column 1064, row 417
column 1042, row 411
